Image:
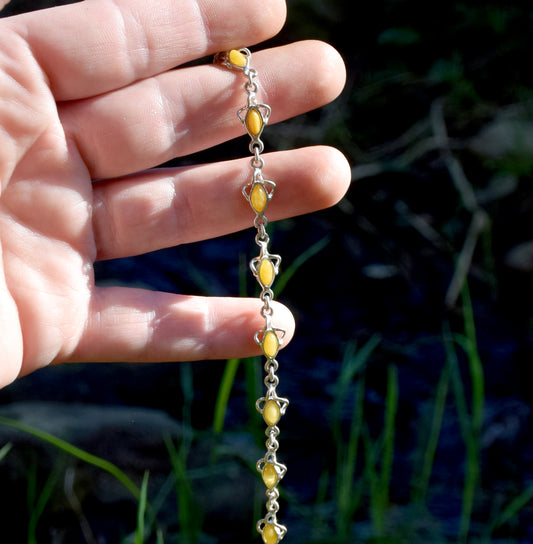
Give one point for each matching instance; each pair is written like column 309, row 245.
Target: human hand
column 87, row 93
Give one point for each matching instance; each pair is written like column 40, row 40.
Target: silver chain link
column 265, row 268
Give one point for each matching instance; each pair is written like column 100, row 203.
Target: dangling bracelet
column 265, row 267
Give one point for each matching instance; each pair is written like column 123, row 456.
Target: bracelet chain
column 264, row 267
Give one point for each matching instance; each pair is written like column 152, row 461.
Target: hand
column 87, row 93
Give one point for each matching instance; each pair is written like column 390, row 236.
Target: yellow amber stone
column 270, row 475
column 237, row 58
column 270, row 535
column 270, row 344
column 258, row 198
column 271, row 413
column 266, row 272
column 254, row 122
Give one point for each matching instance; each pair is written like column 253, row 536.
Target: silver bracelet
column 254, row 116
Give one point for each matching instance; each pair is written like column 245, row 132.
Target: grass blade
column 284, row 278
column 37, row 504
column 512, row 509
column 5, row 450
column 347, row 459
column 474, row 362
column 421, row 483
column 189, row 513
column 391, row 409
column 224, row 392
column 470, row 439
column 372, row 477
column 75, row 452
column 354, row 361
column 141, row 510
column 379, row 473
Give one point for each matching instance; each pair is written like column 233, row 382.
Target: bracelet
column 254, row 116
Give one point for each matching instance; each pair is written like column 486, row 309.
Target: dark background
column 436, row 122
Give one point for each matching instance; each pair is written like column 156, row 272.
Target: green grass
column 297, row 264
column 5, row 450
column 224, row 393
column 37, row 500
column 363, row 486
column 379, row 460
column 510, row 512
column 347, row 489
column 422, row 475
column 189, row 512
column 470, row 439
column 470, row 418
column 358, row 485
column 82, row 455
column 141, row 510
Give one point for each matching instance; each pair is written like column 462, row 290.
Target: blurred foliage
column 402, row 54
column 428, row 427
column 429, row 83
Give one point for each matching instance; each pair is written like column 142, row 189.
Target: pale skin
column 90, row 103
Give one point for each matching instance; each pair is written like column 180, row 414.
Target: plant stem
column 224, row 392
column 141, row 510
column 421, row 484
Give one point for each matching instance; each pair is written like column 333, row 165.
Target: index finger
column 97, row 46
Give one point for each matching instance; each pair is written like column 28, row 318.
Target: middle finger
column 166, row 207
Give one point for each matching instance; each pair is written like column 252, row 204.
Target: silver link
column 262, row 239
column 271, row 364
column 257, row 146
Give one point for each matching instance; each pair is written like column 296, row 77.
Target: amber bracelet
column 265, row 267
